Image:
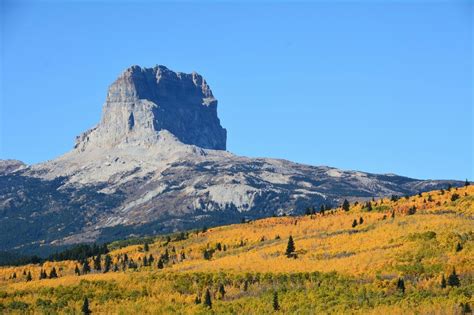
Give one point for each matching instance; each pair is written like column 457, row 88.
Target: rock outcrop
column 143, row 101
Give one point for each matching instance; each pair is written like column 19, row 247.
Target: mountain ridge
column 133, row 174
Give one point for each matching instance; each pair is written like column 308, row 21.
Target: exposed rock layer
column 143, row 101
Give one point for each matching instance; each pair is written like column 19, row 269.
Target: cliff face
column 144, row 101
column 156, row 163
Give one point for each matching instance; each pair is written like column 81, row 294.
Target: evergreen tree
column 166, row 256
column 412, row 210
column 183, row 255
column 97, row 262
column 125, row 257
column 290, row 247
column 345, row 205
column 443, row 282
column 77, row 271
column 85, row 267
column 107, row 263
column 116, row 268
column 354, row 223
column 246, row 285
column 207, row 299
column 42, row 275
column 207, row 254
column 146, row 247
column 53, row 273
column 453, row 279
column 145, row 261
column 151, row 259
column 401, row 285
column 466, row 183
column 197, row 300
column 276, row 305
column 219, row 246
column 393, row 214
column 361, row 220
column 466, row 308
column 222, row 290
column 28, row 277
column 368, row 205
column 132, row 264
column 85, row 307
column 14, row 275
column 458, row 247
column 160, row 264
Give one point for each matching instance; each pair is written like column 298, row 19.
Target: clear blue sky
column 385, row 88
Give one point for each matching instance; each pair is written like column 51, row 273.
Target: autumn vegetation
column 394, row 255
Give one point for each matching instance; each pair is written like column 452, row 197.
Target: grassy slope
column 338, row 269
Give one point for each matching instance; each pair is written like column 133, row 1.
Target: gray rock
column 10, row 166
column 143, row 101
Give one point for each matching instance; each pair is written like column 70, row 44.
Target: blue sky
column 379, row 87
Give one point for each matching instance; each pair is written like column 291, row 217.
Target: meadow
column 399, row 255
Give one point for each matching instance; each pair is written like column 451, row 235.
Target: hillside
column 388, row 255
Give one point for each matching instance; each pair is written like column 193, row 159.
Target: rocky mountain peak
column 143, row 101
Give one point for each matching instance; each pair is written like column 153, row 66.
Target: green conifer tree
column 401, row 285
column 43, row 274
column 85, row 267
column 160, row 264
column 197, row 300
column 346, row 205
column 53, row 273
column 107, row 263
column 85, row 307
column 222, row 291
column 466, row 308
column 97, row 262
column 77, row 271
column 207, row 299
column 368, row 205
column 276, row 304
column 290, row 247
column 453, row 279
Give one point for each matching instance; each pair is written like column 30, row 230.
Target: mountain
column 336, row 267
column 156, row 163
